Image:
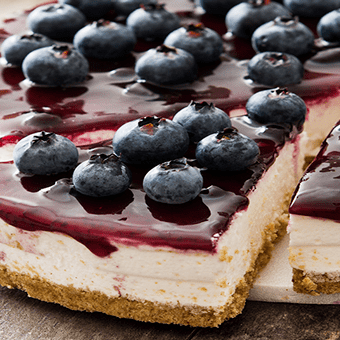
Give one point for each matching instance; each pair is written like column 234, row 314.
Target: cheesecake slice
column 315, row 222
column 129, row 256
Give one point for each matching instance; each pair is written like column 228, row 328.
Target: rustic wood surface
column 23, row 318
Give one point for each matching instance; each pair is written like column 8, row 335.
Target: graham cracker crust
column 314, row 284
column 147, row 311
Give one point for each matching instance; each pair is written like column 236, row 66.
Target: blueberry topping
column 311, row 8
column 227, row 150
column 275, row 69
column 96, row 40
column 173, row 182
column 243, row 19
column 329, row 26
column 277, row 106
column 167, row 65
column 283, row 34
column 45, row 153
column 15, row 48
column 150, row 140
column 202, row 119
column 152, row 22
column 102, row 175
column 58, row 22
column 56, row 65
column 93, row 10
column 202, row 42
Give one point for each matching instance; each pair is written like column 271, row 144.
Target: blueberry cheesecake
column 152, row 186
column 315, row 221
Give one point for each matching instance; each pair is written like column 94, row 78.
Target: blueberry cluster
column 276, row 29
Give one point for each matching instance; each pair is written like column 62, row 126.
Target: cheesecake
column 129, row 256
column 315, row 221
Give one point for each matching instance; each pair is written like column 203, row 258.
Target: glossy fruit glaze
column 107, row 99
column 318, row 194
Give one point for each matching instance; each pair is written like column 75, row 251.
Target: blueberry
column 104, row 40
column 275, row 69
column 311, row 8
column 152, row 22
column 227, row 150
column 93, row 10
column 15, row 48
column 283, row 34
column 277, row 106
column 58, row 22
column 166, row 65
column 173, row 182
column 101, row 175
column 57, row 65
column 218, row 7
column 125, row 7
column 150, row 140
column 202, row 119
column 243, row 19
column 202, row 42
column 329, row 26
column 45, row 153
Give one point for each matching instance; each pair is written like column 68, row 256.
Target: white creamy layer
column 191, row 278
column 314, row 245
column 320, row 120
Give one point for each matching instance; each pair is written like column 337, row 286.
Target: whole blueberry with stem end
column 104, row 39
column 102, row 175
column 243, row 19
column 277, row 106
column 152, row 22
column 202, row 119
column 275, row 69
column 227, row 150
column 93, row 10
column 56, row 65
column 328, row 27
column 150, row 141
column 45, row 153
column 58, row 22
column 166, row 65
column 283, row 34
column 311, row 8
column 203, row 43
column 173, row 182
column 16, row 47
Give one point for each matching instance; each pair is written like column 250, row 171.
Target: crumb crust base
column 314, row 284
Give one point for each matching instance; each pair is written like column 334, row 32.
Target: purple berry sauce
column 318, row 193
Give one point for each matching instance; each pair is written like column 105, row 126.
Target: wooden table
column 23, row 318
